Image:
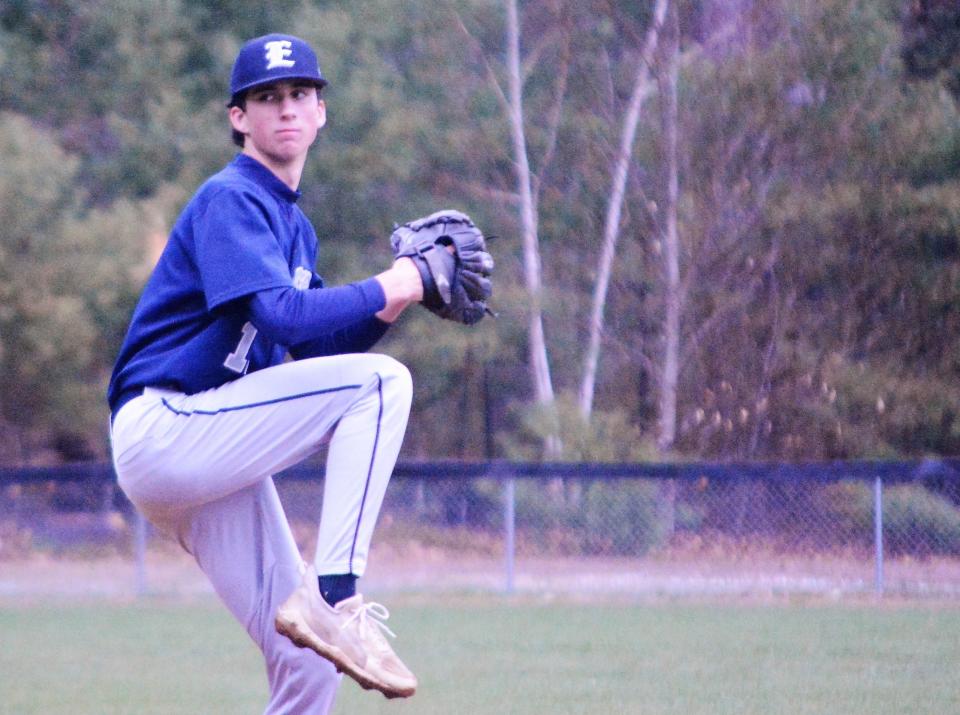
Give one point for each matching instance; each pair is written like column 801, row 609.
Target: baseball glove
column 451, row 254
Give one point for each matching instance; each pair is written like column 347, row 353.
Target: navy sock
column 336, row 587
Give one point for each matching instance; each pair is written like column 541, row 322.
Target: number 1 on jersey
column 237, row 360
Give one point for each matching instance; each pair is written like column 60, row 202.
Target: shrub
column 915, row 519
column 624, row 517
column 621, row 517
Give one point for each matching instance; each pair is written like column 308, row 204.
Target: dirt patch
column 410, row 565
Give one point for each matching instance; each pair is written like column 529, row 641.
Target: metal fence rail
column 845, row 526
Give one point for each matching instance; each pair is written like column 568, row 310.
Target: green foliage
column 913, row 515
column 818, row 222
column 623, row 518
column 586, row 516
column 97, row 72
column 579, row 517
column 63, row 276
column 608, row 436
column 38, row 317
column 818, row 216
column 915, row 520
column 931, row 41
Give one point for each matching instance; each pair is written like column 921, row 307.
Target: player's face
column 280, row 121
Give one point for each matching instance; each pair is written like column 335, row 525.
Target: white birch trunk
column 611, row 229
column 539, row 365
column 671, row 250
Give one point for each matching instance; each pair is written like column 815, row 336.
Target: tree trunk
column 611, row 229
column 539, row 364
column 670, row 371
column 671, row 249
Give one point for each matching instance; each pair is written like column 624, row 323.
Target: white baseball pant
column 200, row 468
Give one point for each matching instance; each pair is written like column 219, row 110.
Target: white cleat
column 350, row 635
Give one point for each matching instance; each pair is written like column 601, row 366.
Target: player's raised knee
column 395, row 370
column 396, row 379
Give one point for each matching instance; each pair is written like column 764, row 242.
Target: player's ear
column 238, row 120
column 322, row 113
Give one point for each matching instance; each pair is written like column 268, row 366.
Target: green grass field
column 500, row 656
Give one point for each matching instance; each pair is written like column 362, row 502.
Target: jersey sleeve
column 237, row 250
column 356, row 338
column 289, row 316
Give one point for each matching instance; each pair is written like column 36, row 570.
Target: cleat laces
column 375, row 613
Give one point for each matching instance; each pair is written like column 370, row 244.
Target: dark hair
column 240, row 100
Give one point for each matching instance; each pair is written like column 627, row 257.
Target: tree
column 669, row 382
column 786, row 250
column 528, row 186
column 62, row 272
column 808, row 219
column 611, row 228
column 931, row 41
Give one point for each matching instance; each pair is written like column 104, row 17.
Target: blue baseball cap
column 272, row 58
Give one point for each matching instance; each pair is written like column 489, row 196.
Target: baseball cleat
column 350, row 635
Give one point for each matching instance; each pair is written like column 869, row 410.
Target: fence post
column 509, row 536
column 140, row 553
column 878, row 534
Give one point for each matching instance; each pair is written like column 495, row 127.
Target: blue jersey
column 241, row 233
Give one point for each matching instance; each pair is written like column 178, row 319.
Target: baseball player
column 207, row 404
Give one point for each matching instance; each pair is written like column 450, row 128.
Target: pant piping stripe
column 366, row 486
column 235, row 408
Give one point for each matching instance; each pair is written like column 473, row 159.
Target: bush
column 622, row 517
column 914, row 518
column 849, row 505
column 625, row 518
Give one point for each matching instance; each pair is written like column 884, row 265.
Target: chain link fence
column 606, row 530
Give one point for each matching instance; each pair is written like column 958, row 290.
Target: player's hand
column 402, row 286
